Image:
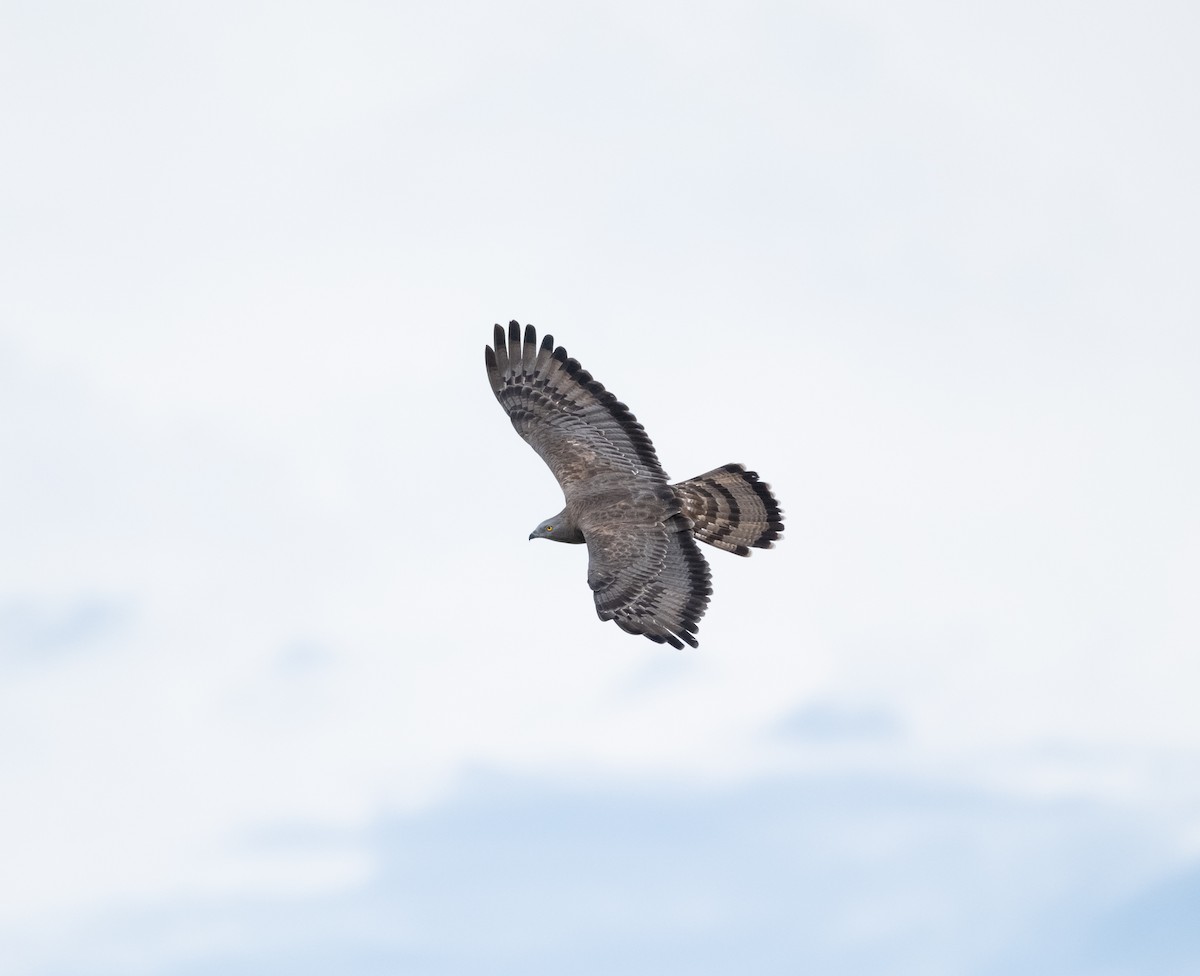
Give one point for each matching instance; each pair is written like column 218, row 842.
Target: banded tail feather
column 731, row 509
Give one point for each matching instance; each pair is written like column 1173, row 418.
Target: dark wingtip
column 548, row 343
column 498, row 336
column 514, row 331
column 560, row 354
column 489, row 357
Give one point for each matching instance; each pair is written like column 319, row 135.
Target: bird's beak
column 532, row 534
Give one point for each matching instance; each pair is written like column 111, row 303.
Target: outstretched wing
column 644, row 567
column 580, row 429
column 648, row 577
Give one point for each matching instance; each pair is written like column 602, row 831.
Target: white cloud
column 928, row 273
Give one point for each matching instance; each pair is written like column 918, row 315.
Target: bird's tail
column 731, row 509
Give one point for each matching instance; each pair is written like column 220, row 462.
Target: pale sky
column 284, row 687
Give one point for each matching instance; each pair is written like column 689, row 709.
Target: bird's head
column 558, row 529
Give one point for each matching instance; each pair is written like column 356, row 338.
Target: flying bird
column 646, row 572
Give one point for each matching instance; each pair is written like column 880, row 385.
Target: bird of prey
column 646, row 572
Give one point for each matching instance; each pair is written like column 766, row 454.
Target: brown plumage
column 646, row 572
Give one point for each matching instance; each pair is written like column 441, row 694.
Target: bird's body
column 646, row 572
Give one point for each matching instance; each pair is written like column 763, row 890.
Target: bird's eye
column 549, row 528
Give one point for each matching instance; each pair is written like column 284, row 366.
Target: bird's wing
column 580, row 430
column 649, row 577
